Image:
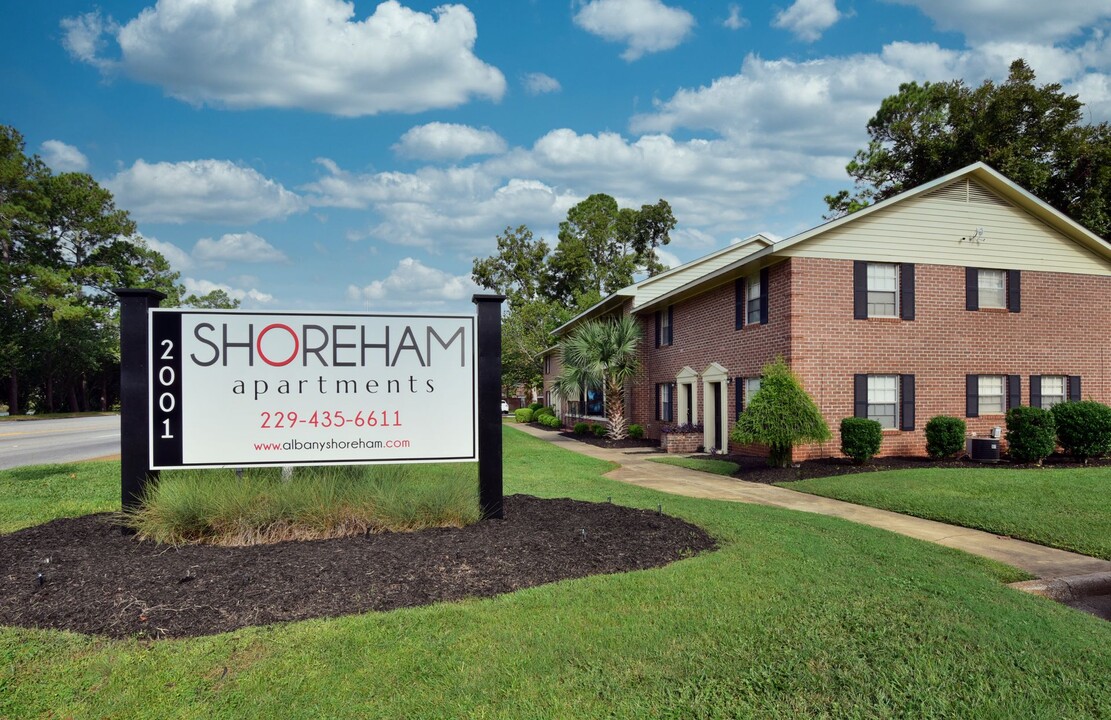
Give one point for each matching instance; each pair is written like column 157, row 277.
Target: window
column 992, row 400
column 1053, row 390
column 883, row 290
column 752, row 386
column 593, row 402
column 664, row 326
column 665, row 405
column 883, row 400
column 991, row 394
column 992, row 287
column 547, row 364
column 887, row 399
column 753, row 293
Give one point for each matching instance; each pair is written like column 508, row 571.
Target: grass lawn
column 796, row 616
column 717, row 467
column 1063, row 508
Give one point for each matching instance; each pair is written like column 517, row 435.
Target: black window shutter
column 860, row 291
column 906, row 291
column 1014, row 391
column 670, row 325
column 739, row 289
column 860, row 395
column 764, row 296
column 906, row 399
column 1036, row 391
column 671, row 396
column 972, row 396
column 657, row 328
column 740, row 395
column 1014, row 291
column 971, row 289
column 1074, row 388
column 658, row 402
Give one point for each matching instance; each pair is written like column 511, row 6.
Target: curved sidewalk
column 1042, row 562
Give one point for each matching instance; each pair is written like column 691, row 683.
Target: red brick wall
column 704, row 332
column 1064, row 329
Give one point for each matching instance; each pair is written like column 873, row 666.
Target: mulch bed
column 605, row 442
column 97, row 581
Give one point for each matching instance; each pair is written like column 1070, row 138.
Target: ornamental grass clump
column 780, row 415
column 216, row 507
column 1083, row 428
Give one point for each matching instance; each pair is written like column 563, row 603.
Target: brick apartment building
column 963, row 297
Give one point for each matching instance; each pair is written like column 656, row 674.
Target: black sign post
column 489, row 405
column 135, row 426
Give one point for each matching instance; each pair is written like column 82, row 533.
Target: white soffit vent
column 966, row 191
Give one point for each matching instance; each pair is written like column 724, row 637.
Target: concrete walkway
column 1043, row 562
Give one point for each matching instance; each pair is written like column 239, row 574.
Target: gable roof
column 990, row 178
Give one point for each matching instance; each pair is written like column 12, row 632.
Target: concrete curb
column 1068, row 589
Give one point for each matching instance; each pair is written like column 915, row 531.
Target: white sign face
column 236, row 389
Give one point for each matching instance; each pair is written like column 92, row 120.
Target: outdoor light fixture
column 977, row 236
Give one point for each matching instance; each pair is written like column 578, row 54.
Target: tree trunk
column 49, row 393
column 13, row 393
column 780, row 456
column 615, row 410
column 73, row 406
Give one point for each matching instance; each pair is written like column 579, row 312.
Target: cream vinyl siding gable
column 929, row 229
column 652, row 288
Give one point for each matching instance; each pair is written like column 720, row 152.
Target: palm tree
column 601, row 354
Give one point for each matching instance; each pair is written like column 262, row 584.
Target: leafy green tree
column 602, row 246
column 517, row 270
column 1032, row 134
column 601, row 354
column 780, row 415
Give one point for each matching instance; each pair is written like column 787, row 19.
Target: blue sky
column 328, row 155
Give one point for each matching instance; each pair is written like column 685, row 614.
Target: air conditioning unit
column 983, row 449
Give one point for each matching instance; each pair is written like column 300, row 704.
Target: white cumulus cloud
column 249, row 297
column 202, row 190
column 808, row 19
column 179, row 259
column 61, row 157
column 1003, row 20
column 735, row 21
column 645, row 26
column 309, row 54
column 448, row 141
column 414, row 284
column 538, row 83
column 237, row 247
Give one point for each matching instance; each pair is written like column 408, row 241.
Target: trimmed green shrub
column 636, row 432
column 780, row 416
column 599, row 430
column 535, row 406
column 1083, row 428
column 1031, row 434
column 945, row 436
column 549, row 421
column 581, row 428
column 543, row 411
column 523, row 415
column 860, row 438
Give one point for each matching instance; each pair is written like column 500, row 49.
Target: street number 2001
column 330, row 418
column 167, row 401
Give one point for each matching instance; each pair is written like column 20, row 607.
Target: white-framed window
column 752, row 386
column 883, row 400
column 883, row 290
column 992, row 391
column 752, row 299
column 992, row 288
column 1054, row 390
column 665, row 392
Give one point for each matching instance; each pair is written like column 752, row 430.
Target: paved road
column 57, row 441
